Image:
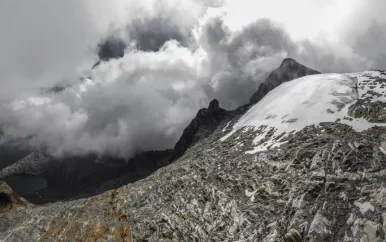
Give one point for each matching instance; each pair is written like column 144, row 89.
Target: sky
column 162, row 60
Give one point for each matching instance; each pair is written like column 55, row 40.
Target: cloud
column 43, row 42
column 238, row 61
column 111, row 48
column 139, row 102
column 143, row 100
column 152, row 34
column 152, row 23
column 161, row 62
column 371, row 45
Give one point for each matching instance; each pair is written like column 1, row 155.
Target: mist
column 158, row 63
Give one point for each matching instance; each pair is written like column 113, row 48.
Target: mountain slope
column 325, row 183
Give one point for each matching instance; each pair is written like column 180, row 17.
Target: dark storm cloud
column 146, row 34
column 168, row 20
column 152, row 34
column 111, row 48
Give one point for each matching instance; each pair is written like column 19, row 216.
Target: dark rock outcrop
column 205, row 122
column 8, row 198
column 288, row 70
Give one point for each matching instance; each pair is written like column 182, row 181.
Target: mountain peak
column 289, row 60
column 289, row 70
column 205, row 123
column 214, row 105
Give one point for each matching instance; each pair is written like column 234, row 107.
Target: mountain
column 305, row 163
column 205, row 122
column 288, row 70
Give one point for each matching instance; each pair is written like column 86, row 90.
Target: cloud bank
column 159, row 63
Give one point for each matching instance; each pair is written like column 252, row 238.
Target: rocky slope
column 306, row 163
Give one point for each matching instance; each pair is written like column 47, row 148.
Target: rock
column 293, row 236
column 374, row 112
column 33, row 163
column 205, row 122
column 320, row 228
column 371, row 232
column 8, row 198
column 364, row 207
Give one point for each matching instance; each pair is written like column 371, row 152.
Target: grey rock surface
column 326, row 183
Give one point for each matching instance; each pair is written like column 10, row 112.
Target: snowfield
column 310, row 100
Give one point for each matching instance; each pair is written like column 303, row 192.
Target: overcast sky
column 179, row 55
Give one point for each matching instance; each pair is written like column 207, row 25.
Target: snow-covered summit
column 311, row 100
